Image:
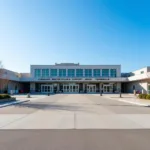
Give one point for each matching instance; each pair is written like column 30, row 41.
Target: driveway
column 74, row 121
column 75, row 112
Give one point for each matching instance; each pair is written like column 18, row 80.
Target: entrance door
column 91, row 88
column 71, row 88
column 65, row 88
column 47, row 88
column 108, row 88
column 76, row 88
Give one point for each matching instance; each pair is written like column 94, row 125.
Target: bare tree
column 3, row 79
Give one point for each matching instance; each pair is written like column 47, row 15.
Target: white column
column 83, row 87
column 32, row 87
column 58, row 87
column 118, row 86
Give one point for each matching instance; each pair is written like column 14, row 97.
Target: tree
column 3, row 79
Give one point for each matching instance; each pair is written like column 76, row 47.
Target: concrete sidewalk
column 127, row 98
column 76, row 112
column 32, row 98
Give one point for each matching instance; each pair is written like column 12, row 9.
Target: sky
column 74, row 31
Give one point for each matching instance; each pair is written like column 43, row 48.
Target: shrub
column 142, row 96
column 148, row 96
column 4, row 96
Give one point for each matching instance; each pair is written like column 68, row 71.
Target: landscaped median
column 6, row 100
column 144, row 96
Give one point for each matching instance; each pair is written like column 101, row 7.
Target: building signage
column 68, row 79
column 87, row 79
column 102, row 79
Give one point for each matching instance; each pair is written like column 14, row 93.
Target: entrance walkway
column 127, row 98
column 75, row 111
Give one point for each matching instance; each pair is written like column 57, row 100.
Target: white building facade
column 139, row 80
column 75, row 78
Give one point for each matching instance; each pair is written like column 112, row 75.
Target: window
column 53, row 72
column 79, row 72
column 142, row 72
column 113, row 72
column 71, row 72
column 45, row 72
column 62, row 72
column 105, row 72
column 97, row 72
column 37, row 73
column 88, row 72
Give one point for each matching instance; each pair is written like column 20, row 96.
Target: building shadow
column 46, row 106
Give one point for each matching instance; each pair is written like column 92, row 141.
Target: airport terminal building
column 75, row 78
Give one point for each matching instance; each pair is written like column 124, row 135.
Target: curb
column 13, row 103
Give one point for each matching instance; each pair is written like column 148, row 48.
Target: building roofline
column 140, row 69
column 81, row 65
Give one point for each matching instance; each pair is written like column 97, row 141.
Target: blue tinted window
column 79, row 72
column 113, row 73
column 105, row 72
column 97, row 72
column 53, row 72
column 71, row 72
column 88, row 72
column 62, row 72
column 45, row 72
column 37, row 73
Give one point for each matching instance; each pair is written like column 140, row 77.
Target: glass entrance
column 70, row 88
column 91, row 88
column 47, row 88
column 108, row 88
